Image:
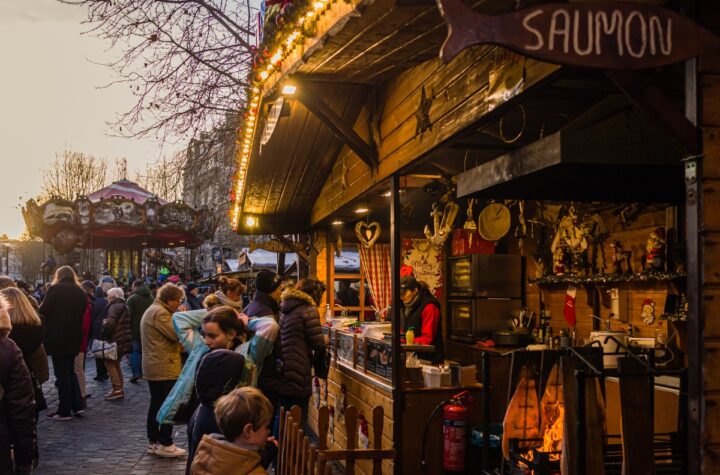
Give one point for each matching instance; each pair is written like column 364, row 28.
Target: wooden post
column 397, row 363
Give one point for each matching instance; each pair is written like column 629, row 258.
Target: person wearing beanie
column 421, row 310
column 218, row 373
column 18, row 441
column 266, row 303
column 192, row 296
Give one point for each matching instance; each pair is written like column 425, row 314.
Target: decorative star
column 422, row 116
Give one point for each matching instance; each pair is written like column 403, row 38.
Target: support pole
column 397, row 362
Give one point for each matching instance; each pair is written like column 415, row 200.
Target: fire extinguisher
column 454, row 426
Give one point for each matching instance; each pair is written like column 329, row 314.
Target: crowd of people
column 213, row 358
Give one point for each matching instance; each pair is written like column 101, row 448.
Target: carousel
column 121, row 228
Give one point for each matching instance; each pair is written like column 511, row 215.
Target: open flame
column 553, row 436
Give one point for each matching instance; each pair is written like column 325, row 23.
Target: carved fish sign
column 608, row 35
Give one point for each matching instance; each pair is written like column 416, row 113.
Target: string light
column 286, row 46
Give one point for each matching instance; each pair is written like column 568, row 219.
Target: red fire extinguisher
column 455, row 421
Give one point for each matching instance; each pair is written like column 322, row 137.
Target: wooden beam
column 309, row 96
column 650, row 98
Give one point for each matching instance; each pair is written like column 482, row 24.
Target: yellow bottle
column 410, row 336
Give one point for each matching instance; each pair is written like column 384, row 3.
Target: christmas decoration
column 363, row 432
column 648, row 311
column 569, row 308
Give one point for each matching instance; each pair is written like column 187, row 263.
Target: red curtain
column 375, row 263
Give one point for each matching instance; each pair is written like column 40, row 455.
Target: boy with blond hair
column 244, row 418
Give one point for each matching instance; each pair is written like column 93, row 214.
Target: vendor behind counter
column 421, row 311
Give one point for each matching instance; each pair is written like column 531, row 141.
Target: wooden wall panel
column 365, row 397
column 459, row 89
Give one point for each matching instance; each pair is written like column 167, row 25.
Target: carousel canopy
column 123, row 189
column 120, row 216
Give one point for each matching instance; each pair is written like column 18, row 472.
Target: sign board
column 607, row 35
column 272, row 120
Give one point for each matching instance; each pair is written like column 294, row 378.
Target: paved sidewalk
column 109, row 439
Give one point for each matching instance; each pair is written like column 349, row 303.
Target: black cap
column 89, row 284
column 409, row 282
column 191, row 286
column 267, row 281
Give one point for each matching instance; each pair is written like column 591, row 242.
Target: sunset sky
column 49, row 100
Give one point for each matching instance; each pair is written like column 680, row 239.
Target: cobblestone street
column 109, row 439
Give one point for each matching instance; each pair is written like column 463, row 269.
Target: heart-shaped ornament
column 366, row 233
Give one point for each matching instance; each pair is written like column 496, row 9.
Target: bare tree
column 186, row 61
column 73, row 174
column 164, row 178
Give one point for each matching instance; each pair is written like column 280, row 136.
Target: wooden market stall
column 570, row 185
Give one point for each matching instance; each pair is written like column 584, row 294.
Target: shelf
column 610, row 279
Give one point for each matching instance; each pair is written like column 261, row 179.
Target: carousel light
column 310, row 14
column 251, row 222
column 263, row 75
column 318, row 5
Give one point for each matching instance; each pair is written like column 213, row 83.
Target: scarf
column 413, row 302
column 226, row 301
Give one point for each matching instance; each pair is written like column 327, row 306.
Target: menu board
column 379, row 359
column 345, row 347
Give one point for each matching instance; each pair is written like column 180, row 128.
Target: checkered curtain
column 375, row 263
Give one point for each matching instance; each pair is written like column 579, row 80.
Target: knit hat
column 88, row 284
column 409, row 282
column 218, row 373
column 267, row 281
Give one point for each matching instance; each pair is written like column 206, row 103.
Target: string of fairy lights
column 290, row 33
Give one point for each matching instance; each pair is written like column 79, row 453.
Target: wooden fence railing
column 297, row 456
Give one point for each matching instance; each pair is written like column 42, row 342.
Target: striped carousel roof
column 124, row 188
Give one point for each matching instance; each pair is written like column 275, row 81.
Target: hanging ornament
column 648, row 311
column 316, row 392
column 442, row 223
column 341, row 403
column 569, row 308
column 363, row 432
column 367, row 234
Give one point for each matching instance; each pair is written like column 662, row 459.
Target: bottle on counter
column 328, row 313
column 549, row 336
column 564, row 339
column 410, row 336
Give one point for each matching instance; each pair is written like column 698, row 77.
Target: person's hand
column 243, row 318
column 271, row 439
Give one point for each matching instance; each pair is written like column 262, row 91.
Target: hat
column 406, row 270
column 88, row 284
column 191, row 286
column 218, row 372
column 174, row 279
column 409, row 282
column 267, row 281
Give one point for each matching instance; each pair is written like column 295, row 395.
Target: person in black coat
column 218, row 373
column 62, row 313
column 18, row 439
column 98, row 312
column 301, row 338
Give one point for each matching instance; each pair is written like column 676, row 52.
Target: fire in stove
column 532, row 432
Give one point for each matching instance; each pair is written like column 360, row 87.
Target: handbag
column 104, row 350
column 40, row 402
column 321, row 363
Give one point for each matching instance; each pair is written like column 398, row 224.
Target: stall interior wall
column 364, row 397
column 633, row 238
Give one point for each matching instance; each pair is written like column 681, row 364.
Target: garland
column 609, row 278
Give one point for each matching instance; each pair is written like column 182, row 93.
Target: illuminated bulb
column 318, row 5
column 264, row 74
column 337, row 222
column 250, row 222
column 387, row 194
column 361, row 210
column 289, row 89
column 310, row 14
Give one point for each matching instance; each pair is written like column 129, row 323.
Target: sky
column 50, row 100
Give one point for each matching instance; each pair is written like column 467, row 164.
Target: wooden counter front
column 363, row 391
